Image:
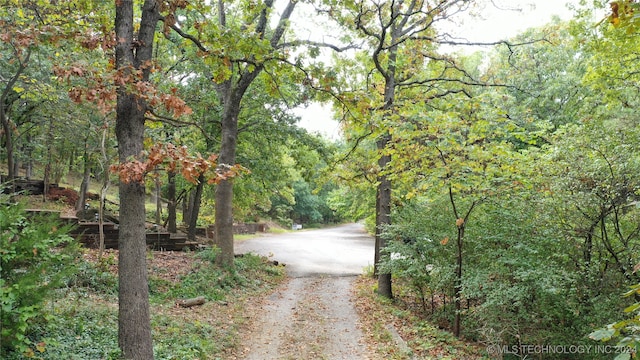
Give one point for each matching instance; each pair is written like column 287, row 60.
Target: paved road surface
column 342, row 250
column 312, row 315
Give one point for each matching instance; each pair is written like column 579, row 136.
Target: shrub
column 36, row 254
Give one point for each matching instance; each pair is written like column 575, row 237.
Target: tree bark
column 28, row 172
column 191, row 302
column 158, row 200
column 172, row 225
column 86, row 176
column 383, row 215
column 134, row 326
column 8, row 142
column 457, row 288
column 5, row 103
column 224, row 189
column 186, row 207
column 195, row 209
column 231, row 92
column 383, row 200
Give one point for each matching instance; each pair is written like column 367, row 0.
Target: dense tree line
column 514, row 217
column 501, row 185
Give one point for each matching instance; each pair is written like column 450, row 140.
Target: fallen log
column 191, row 302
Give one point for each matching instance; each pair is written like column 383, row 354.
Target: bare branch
column 189, row 37
column 356, row 143
column 177, row 123
column 319, row 44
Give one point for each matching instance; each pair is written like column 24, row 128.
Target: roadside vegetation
column 71, row 312
column 396, row 329
column 501, row 184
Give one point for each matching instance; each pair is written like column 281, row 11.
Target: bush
column 213, row 282
column 36, row 254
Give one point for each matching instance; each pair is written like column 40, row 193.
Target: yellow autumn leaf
column 29, row 353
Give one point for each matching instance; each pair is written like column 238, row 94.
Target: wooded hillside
column 502, row 185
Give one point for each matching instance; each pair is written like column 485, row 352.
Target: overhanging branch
column 177, row 123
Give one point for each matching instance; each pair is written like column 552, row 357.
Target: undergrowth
column 83, row 321
column 423, row 339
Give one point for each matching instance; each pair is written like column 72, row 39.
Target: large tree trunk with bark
column 224, row 190
column 231, row 92
column 134, row 327
column 383, row 201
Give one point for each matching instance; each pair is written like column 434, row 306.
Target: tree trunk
column 383, row 201
column 224, row 189
column 383, row 215
column 8, row 142
column 186, row 207
column 103, row 189
column 5, row 104
column 231, row 94
column 86, row 176
column 47, row 181
column 376, row 249
column 72, row 156
column 28, row 171
column 47, row 168
column 134, row 326
column 172, row 225
column 195, row 209
column 457, row 288
column 158, row 200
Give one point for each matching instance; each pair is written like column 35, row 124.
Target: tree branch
column 177, row 123
column 184, row 35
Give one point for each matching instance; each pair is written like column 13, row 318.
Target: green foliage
column 36, row 255
column 79, row 330
column 519, row 282
column 212, row 282
column 307, row 206
column 172, row 342
column 627, row 331
column 82, row 324
column 95, row 278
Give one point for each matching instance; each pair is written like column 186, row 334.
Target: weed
column 423, row 338
column 94, row 277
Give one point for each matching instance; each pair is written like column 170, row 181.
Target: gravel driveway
column 311, row 316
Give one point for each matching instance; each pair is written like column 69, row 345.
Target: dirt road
column 311, row 316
